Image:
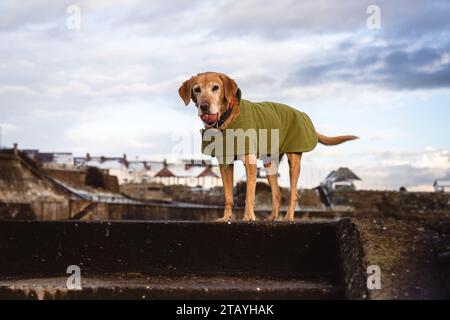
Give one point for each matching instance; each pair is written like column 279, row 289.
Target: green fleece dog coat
column 267, row 129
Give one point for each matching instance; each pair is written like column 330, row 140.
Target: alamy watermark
column 373, row 277
column 74, row 280
column 373, row 22
column 73, row 21
column 232, row 144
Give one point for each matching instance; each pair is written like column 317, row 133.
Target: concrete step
column 126, row 259
column 141, row 286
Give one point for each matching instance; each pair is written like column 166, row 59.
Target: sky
column 109, row 85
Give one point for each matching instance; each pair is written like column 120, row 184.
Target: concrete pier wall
column 190, row 260
column 169, row 247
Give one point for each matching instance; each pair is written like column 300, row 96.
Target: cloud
column 385, row 66
column 378, row 169
column 393, row 177
column 384, row 170
column 428, row 158
column 8, row 127
column 287, row 18
column 410, row 168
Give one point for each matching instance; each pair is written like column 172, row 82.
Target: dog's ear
column 229, row 86
column 185, row 91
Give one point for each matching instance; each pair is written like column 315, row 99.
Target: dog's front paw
column 249, row 218
column 289, row 217
column 271, row 218
column 224, row 219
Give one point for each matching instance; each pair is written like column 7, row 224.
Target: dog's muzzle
column 210, row 119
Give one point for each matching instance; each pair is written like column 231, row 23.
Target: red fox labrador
column 219, row 105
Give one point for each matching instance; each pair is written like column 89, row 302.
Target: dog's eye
column 197, row 90
column 215, row 88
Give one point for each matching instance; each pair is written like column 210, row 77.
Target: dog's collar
column 227, row 113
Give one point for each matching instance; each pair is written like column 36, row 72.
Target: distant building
column 126, row 171
column 192, row 173
column 189, row 173
column 261, row 175
column 144, row 171
column 441, row 185
column 116, row 166
column 342, row 178
column 31, row 191
column 50, row 159
column 145, row 191
column 85, row 177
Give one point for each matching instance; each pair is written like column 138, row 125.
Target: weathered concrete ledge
column 125, row 259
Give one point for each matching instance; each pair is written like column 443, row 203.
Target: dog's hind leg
column 272, row 178
column 294, row 160
column 226, row 171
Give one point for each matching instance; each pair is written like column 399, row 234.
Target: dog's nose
column 204, row 107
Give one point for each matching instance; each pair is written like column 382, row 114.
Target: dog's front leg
column 250, row 171
column 226, row 171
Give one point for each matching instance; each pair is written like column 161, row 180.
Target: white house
column 152, row 168
column 204, row 175
column 342, row 178
column 187, row 172
column 126, row 171
column 441, row 185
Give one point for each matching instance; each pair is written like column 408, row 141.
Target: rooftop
column 342, row 174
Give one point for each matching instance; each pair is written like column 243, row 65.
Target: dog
column 220, row 107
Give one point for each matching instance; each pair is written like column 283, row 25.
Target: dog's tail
column 332, row 141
